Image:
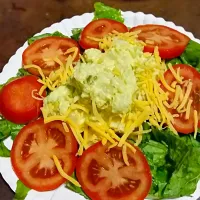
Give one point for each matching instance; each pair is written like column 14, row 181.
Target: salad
column 112, row 112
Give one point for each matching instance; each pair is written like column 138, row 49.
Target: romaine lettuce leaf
column 22, row 72
column 21, row 191
column 8, row 128
column 4, row 151
column 1, row 86
column 191, row 56
column 174, row 163
column 156, row 153
column 34, row 38
column 76, row 189
column 174, row 61
column 104, row 11
column 76, row 32
column 184, row 179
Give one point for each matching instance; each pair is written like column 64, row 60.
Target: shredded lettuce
column 21, row 191
column 104, row 11
column 34, row 38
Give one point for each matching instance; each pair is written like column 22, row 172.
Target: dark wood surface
column 20, row 19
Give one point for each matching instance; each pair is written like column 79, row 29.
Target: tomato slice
column 103, row 174
column 43, row 51
column 170, row 42
column 32, row 151
column 188, row 73
column 16, row 101
column 98, row 29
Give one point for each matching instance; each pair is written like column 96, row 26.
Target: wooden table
column 20, row 19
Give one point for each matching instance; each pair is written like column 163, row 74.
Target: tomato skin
column 99, row 194
column 35, row 53
column 188, row 72
column 92, row 195
column 166, row 53
column 170, row 42
column 98, row 29
column 23, row 158
column 16, row 102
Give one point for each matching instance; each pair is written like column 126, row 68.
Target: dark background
column 20, row 19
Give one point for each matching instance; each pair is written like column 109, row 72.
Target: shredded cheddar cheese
column 112, row 145
column 124, row 154
column 96, row 128
column 189, row 88
column 175, row 102
column 176, row 75
column 65, row 127
column 36, row 97
column 195, row 123
column 75, row 129
column 105, row 43
column 63, row 174
column 162, row 79
column 61, row 75
column 78, row 106
column 85, row 136
column 188, row 108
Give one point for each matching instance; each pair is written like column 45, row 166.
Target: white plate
column 11, row 68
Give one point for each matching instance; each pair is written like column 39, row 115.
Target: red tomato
column 43, row 51
column 170, row 42
column 180, row 123
column 98, row 29
column 16, row 101
column 103, row 174
column 32, row 151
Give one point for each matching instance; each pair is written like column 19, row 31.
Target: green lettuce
column 21, row 191
column 156, row 153
column 22, row 72
column 55, row 34
column 104, row 11
column 8, row 128
column 184, row 179
column 191, row 56
column 76, row 32
column 76, row 189
column 4, row 151
column 174, row 163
